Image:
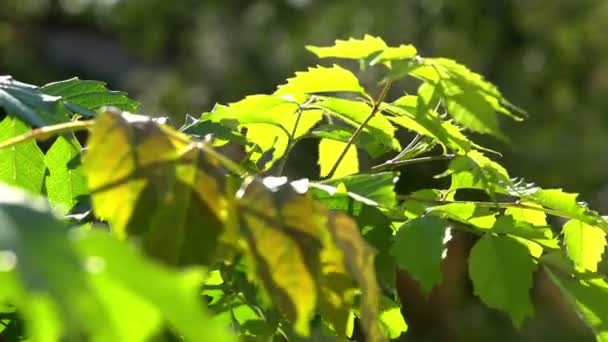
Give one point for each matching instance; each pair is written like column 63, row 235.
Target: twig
column 292, row 138
column 356, row 134
column 392, row 164
column 499, row 205
column 46, row 132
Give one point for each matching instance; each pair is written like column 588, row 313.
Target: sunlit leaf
column 418, row 248
column 501, row 269
column 414, row 115
column 304, row 257
column 378, row 187
column 65, row 181
column 392, row 319
column 270, row 121
column 470, row 100
column 542, row 235
column 173, row 199
column 330, row 150
column 400, row 52
column 356, row 112
column 21, row 165
column 321, row 80
column 566, row 204
column 536, row 217
column 351, row 48
column 367, row 141
column 476, row 171
column 85, row 96
column 584, row 244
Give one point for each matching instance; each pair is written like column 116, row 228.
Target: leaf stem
column 292, row 138
column 356, row 134
column 392, row 164
column 46, row 132
column 500, row 205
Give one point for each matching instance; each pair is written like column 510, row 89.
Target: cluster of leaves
column 154, row 233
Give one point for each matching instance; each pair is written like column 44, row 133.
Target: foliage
column 153, row 232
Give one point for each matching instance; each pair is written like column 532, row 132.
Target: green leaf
column 590, row 299
column 150, row 293
column 501, row 269
column 29, row 104
column 37, row 258
column 90, row 95
column 166, row 189
column 256, row 109
column 418, row 248
column 330, row 150
column 65, row 181
column 398, row 53
column 566, row 204
column 391, row 319
column 351, row 48
column 476, row 171
column 269, row 120
column 367, row 141
column 467, row 213
column 321, row 80
column 534, row 217
column 67, row 288
column 377, row 187
column 470, row 100
column 356, row 112
column 21, row 165
column 412, row 113
column 584, row 244
column 542, row 235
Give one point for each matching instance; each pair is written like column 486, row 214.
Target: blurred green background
column 549, row 57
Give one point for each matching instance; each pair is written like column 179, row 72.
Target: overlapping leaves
column 37, row 256
column 176, row 203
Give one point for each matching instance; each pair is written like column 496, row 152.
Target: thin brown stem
column 356, row 134
column 393, row 164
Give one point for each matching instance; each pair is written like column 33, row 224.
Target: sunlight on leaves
column 330, row 150
column 584, row 244
column 20, row 165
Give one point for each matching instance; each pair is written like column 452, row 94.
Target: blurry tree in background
column 182, row 56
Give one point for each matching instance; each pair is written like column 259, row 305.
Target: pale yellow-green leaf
column 329, row 150
column 350, row 49
column 584, row 244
